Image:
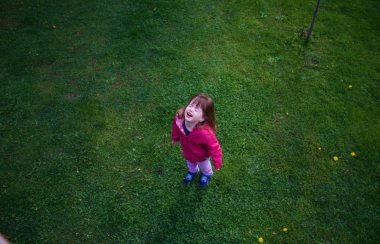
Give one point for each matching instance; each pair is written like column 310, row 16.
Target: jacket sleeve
column 214, row 149
column 175, row 130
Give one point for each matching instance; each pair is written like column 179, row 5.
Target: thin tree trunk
column 312, row 21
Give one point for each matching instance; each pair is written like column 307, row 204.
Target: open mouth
column 189, row 114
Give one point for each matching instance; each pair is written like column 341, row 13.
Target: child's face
column 193, row 113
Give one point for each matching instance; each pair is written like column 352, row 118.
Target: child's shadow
column 181, row 214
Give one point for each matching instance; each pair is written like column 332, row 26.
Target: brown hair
column 207, row 105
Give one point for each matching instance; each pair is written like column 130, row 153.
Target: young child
column 194, row 127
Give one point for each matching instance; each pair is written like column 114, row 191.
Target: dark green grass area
column 89, row 90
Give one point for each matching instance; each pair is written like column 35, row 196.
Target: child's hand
column 174, row 143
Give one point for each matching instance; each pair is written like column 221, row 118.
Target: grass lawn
column 89, row 90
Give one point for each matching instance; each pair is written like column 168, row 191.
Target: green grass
column 89, row 90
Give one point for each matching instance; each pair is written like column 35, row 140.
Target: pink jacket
column 199, row 145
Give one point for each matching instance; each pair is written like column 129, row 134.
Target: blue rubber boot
column 189, row 177
column 204, row 181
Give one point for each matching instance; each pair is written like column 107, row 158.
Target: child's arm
column 175, row 131
column 214, row 149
